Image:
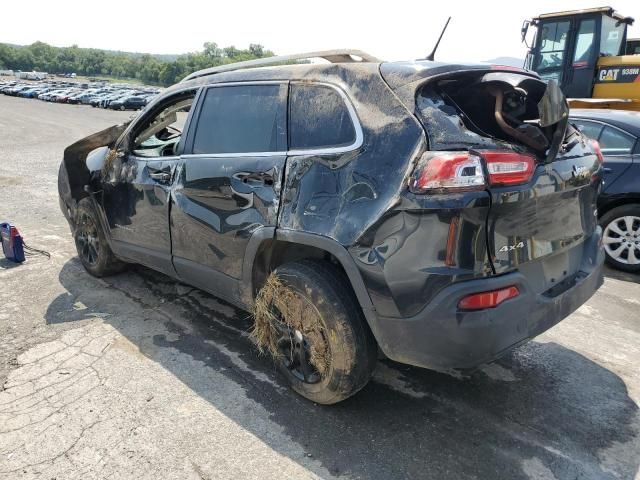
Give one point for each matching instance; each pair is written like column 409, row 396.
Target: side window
column 552, row 45
column 159, row 134
column 614, row 142
column 611, row 37
column 590, row 129
column 584, row 43
column 318, row 118
column 241, row 119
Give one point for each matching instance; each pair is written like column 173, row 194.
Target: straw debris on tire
column 278, row 303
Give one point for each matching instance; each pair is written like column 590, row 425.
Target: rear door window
column 590, row 129
column 318, row 118
column 241, row 119
column 615, row 142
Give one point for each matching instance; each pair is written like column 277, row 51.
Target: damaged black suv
column 441, row 214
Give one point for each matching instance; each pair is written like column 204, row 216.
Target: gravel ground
column 138, row 376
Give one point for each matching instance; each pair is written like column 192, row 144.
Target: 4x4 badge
column 508, row 248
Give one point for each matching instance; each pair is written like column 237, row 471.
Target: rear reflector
column 491, row 299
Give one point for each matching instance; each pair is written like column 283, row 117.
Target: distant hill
column 509, row 61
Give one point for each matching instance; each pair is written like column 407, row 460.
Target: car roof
column 624, row 119
column 304, row 71
column 332, row 56
column 395, row 73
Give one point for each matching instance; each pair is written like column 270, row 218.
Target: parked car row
column 115, row 97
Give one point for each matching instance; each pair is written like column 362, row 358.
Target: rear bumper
column 441, row 337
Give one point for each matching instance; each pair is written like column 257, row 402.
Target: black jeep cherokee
column 440, row 213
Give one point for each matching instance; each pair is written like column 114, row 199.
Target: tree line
column 151, row 69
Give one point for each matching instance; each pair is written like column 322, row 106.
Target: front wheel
column 91, row 244
column 308, row 318
column 621, row 237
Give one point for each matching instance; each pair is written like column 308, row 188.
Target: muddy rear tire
column 351, row 350
column 92, row 247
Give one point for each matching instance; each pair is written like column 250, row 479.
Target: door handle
column 160, row 174
column 607, row 170
column 254, row 178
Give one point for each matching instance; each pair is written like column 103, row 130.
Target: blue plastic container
column 11, row 243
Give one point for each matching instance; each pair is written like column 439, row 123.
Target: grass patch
column 278, row 308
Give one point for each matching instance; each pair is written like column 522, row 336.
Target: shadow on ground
column 620, row 275
column 547, row 409
column 6, row 264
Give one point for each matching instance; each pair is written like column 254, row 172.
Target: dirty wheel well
column 628, row 199
column 274, row 253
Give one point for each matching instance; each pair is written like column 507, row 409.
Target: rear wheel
column 91, row 244
column 621, row 237
column 322, row 343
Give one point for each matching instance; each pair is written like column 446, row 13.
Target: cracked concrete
column 78, row 407
column 137, row 376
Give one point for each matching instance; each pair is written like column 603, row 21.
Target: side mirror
column 524, row 30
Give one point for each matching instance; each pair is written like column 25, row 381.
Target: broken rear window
column 444, row 124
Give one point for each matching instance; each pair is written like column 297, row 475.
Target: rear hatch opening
column 508, row 133
column 492, row 110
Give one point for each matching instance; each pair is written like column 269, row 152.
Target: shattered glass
column 444, row 125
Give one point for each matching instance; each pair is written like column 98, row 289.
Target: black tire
column 92, row 247
column 351, row 345
column 622, row 223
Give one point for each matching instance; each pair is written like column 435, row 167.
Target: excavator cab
column 581, row 49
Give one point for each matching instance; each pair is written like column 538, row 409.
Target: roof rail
column 333, row 56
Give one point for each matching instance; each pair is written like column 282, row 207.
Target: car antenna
column 432, row 55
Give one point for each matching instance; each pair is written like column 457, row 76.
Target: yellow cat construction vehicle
column 587, row 53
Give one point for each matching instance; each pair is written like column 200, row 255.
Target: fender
column 312, row 240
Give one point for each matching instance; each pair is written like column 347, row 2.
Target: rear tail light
column 508, row 168
column 491, row 299
column 445, row 171
column 596, row 148
column 463, row 171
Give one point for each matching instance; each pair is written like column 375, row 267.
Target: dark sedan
column 618, row 133
column 128, row 103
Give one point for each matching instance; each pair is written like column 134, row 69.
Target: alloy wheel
column 621, row 240
column 87, row 240
column 295, row 352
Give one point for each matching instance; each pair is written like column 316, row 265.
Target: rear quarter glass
column 318, row 118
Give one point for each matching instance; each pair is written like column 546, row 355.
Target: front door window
column 159, row 135
column 550, row 57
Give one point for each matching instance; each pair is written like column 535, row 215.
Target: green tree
column 148, row 68
column 256, row 50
